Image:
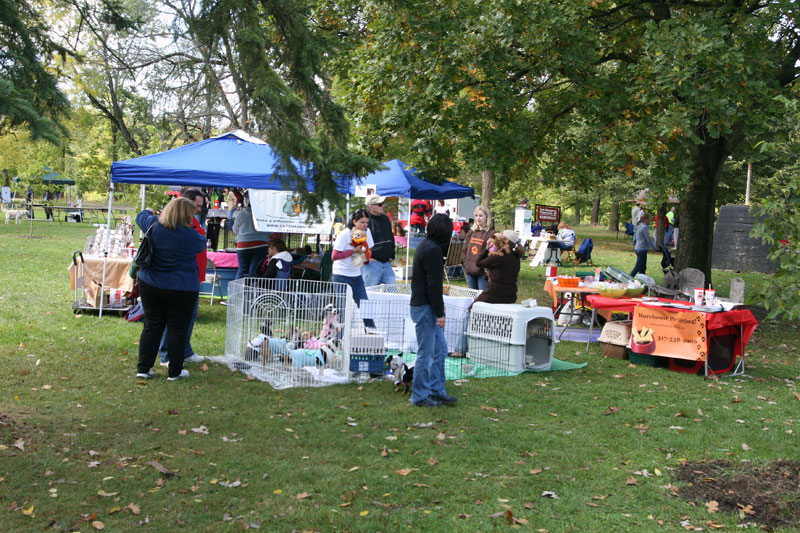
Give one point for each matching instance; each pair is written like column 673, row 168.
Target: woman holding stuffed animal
column 350, row 251
column 169, row 285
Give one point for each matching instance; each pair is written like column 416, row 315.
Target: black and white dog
column 403, row 374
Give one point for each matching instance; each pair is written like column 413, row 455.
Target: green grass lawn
column 83, row 443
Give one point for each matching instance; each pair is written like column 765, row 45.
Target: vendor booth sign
column 362, row 191
column 549, row 214
column 522, row 223
column 668, row 333
column 281, row 212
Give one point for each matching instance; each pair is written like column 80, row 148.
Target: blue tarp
column 236, row 159
column 396, row 180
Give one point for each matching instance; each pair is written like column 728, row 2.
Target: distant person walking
column 642, row 243
column 671, row 229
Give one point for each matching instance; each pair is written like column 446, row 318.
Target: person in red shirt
column 197, row 197
column 420, row 212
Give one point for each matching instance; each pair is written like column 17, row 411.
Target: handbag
column 135, row 313
column 144, row 255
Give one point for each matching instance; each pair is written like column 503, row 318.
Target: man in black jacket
column 427, row 312
column 379, row 269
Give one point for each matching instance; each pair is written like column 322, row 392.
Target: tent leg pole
column 105, row 247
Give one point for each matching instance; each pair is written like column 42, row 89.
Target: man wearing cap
column 379, row 269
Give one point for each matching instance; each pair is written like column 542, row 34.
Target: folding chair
column 452, row 263
column 584, row 253
column 689, row 279
column 213, row 278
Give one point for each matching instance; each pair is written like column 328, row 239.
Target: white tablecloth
column 391, row 313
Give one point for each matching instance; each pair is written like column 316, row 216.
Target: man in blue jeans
column 427, row 312
column 379, row 269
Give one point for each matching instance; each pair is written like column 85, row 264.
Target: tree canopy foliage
column 29, row 94
column 589, row 88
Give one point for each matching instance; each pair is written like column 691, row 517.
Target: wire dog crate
column 290, row 333
column 509, row 338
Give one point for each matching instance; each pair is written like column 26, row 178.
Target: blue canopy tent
column 397, row 180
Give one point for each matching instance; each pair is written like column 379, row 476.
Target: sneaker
column 145, row 375
column 428, row 402
column 194, row 358
column 224, row 302
column 183, row 375
column 164, row 363
column 445, row 399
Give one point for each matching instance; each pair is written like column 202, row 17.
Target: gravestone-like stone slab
column 734, row 249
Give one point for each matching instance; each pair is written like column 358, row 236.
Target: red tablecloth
column 736, row 317
column 224, row 259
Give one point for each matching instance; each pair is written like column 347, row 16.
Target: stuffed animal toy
column 361, row 251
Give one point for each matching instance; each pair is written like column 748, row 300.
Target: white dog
column 16, row 214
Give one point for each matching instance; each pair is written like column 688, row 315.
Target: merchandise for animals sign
column 281, row 212
column 669, row 333
column 548, row 213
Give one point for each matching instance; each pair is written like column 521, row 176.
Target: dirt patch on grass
column 768, row 495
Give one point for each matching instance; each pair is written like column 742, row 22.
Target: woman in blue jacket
column 642, row 242
column 169, row 286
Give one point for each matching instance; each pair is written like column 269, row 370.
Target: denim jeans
column 188, row 352
column 563, row 246
column 377, row 273
column 359, row 293
column 431, row 353
column 476, row 282
column 668, row 236
column 249, row 259
column 641, row 263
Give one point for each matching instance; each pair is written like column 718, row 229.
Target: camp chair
column 584, row 253
column 736, row 294
column 452, row 262
column 689, row 279
column 213, row 278
column 669, row 289
column 629, row 228
column 568, row 257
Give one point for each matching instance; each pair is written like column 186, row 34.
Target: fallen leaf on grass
column 714, row 525
column 363, row 513
column 631, row 481
column 201, row 429
column 746, row 509
column 432, row 461
column 536, row 471
column 796, row 394
column 28, row 511
column 302, row 496
column 745, row 447
column 712, row 506
column 601, row 497
column 105, row 494
column 488, row 408
column 404, row 471
column 20, row 445
column 612, row 410
column 204, row 368
column 161, row 468
column 528, row 505
column 591, row 504
column 97, row 524
column 550, row 494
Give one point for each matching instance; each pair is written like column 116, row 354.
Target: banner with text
column 281, row 212
column 669, row 333
column 548, row 214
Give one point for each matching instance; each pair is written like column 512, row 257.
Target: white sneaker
column 183, row 375
column 194, row 358
column 164, row 363
column 142, row 375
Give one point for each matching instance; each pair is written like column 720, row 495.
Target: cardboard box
column 614, row 351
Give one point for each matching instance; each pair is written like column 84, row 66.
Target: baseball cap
column 374, row 199
column 511, row 235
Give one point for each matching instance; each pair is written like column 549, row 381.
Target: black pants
column 164, row 307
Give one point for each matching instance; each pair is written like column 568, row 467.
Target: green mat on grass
column 458, row 368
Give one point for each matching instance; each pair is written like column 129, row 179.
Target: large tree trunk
column 613, row 222
column 662, row 219
column 487, row 188
column 698, row 208
column 596, row 211
column 577, row 213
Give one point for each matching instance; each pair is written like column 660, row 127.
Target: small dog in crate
column 16, row 214
column 403, row 374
